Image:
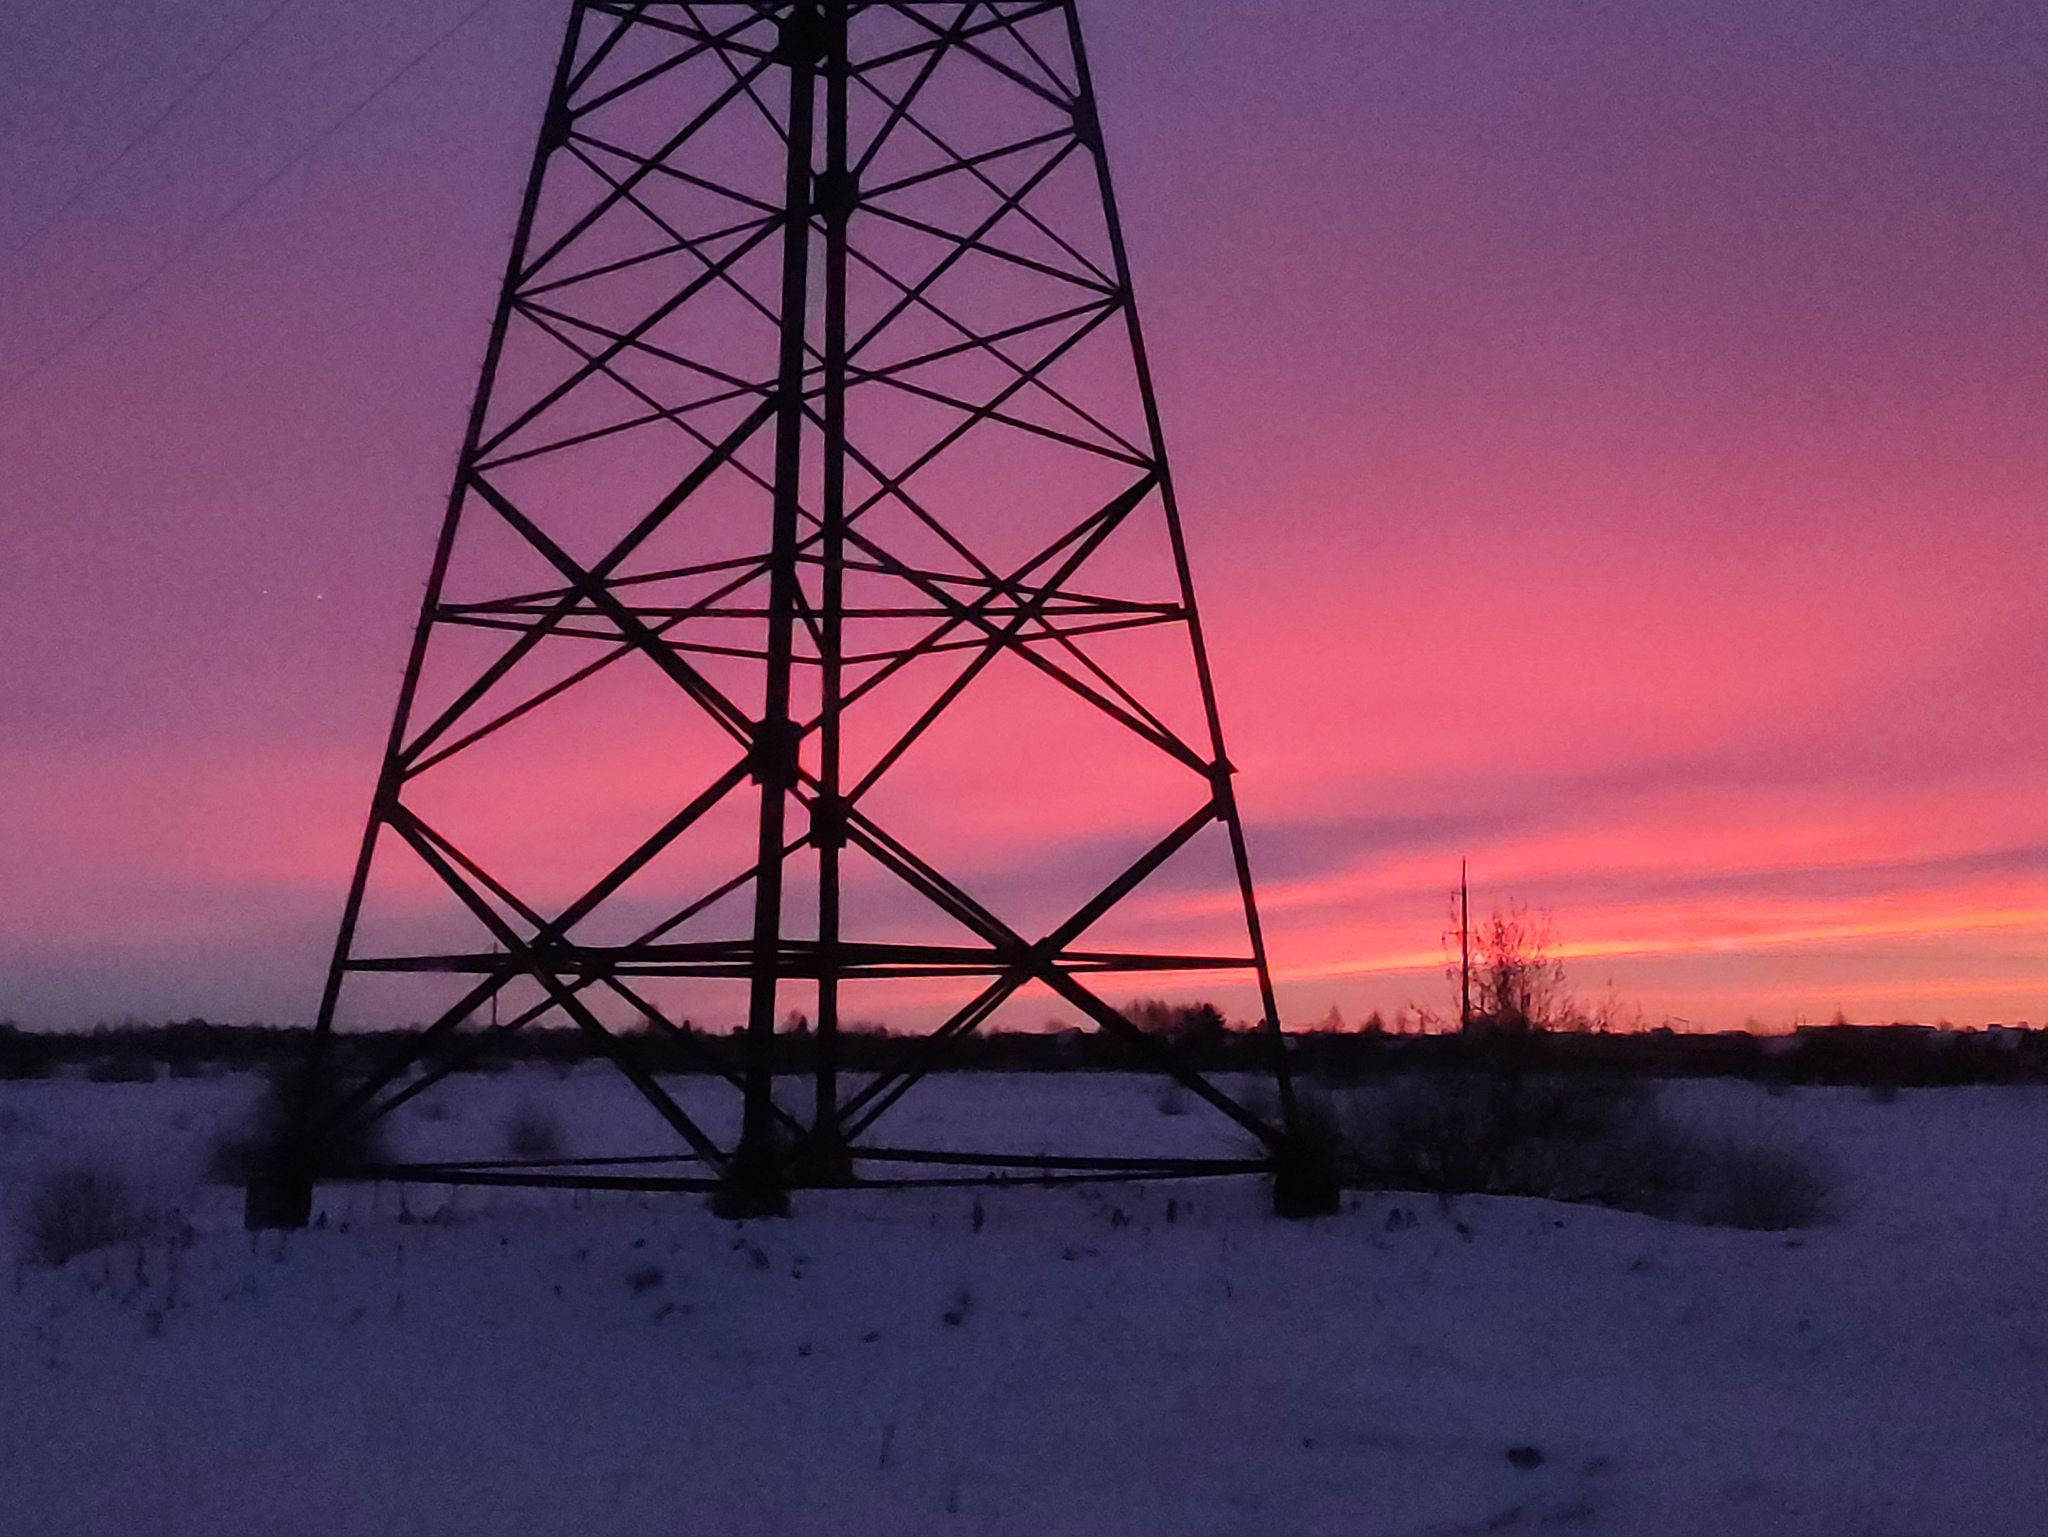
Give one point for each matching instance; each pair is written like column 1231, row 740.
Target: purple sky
column 1611, row 440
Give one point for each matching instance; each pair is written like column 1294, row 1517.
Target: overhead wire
column 206, row 232
column 94, row 178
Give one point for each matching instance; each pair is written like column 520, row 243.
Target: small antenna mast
column 1464, row 951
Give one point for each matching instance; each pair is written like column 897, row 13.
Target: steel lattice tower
column 814, row 427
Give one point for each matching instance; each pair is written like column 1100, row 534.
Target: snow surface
column 1165, row 1359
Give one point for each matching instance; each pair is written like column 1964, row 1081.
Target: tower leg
column 1304, row 1183
column 823, row 1159
column 280, row 1195
column 753, row 1187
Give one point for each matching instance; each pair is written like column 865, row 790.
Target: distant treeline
column 1873, row 1055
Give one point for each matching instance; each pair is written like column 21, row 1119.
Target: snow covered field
column 1104, row 1360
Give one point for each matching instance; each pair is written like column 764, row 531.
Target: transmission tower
column 814, row 502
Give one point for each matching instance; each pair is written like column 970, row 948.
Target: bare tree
column 1516, row 982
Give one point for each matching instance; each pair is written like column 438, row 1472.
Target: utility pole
column 1464, row 951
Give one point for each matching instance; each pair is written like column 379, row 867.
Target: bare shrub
column 75, row 1209
column 1516, row 982
column 1507, row 1134
column 1769, row 1187
column 533, row 1132
column 1565, row 1138
column 1656, row 1171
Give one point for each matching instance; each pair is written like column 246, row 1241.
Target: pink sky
column 1610, row 439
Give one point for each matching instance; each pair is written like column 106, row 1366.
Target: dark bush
column 122, row 1069
column 1572, row 1138
column 532, row 1132
column 1562, row 1137
column 1170, row 1097
column 23, row 1063
column 74, row 1210
column 1765, row 1187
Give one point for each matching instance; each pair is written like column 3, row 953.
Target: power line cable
column 96, row 177
column 37, row 368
